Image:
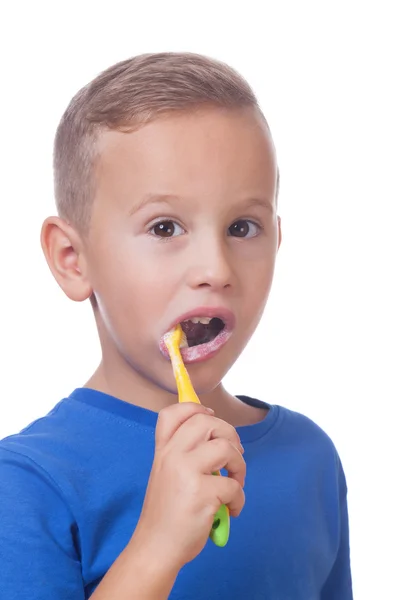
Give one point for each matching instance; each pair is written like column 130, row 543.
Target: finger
column 171, row 418
column 219, row 454
column 229, row 492
column 202, row 427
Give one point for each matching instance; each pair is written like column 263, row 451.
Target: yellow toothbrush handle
column 186, row 391
column 221, row 526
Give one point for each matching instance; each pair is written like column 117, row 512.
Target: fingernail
column 210, row 410
column 242, row 449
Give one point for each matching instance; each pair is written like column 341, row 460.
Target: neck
column 121, row 381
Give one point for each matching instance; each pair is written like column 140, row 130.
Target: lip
column 203, row 351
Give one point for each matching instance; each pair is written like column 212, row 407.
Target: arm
column 137, row 574
column 338, row 586
column 181, row 500
column 37, row 556
column 39, row 543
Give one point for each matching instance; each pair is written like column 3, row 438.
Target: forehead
column 212, row 151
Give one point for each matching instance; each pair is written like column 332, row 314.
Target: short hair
column 124, row 97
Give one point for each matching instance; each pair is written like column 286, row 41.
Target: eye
column 166, row 229
column 244, row 229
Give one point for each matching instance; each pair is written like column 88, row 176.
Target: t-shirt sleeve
column 338, row 586
column 38, row 549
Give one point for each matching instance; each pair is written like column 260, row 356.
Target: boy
column 166, row 185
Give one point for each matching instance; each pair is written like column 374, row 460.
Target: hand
column 182, row 494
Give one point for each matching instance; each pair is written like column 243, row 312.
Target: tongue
column 196, row 333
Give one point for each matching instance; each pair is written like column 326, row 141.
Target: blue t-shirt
column 72, row 485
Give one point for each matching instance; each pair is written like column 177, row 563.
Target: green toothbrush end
column 219, row 533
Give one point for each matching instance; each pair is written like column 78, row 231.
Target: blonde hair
column 125, row 97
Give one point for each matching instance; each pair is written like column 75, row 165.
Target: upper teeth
column 202, row 320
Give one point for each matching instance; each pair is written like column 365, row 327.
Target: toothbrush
column 219, row 533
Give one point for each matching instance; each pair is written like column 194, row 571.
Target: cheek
column 256, row 280
column 255, row 265
column 131, row 290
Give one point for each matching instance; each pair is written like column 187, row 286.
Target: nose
column 210, row 265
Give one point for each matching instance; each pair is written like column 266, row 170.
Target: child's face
column 184, row 221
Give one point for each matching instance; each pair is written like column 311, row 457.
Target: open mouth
column 206, row 331
column 201, row 330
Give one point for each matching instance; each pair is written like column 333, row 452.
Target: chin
column 206, row 376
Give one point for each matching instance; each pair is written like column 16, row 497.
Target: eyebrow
column 262, row 202
column 171, row 198
column 153, row 199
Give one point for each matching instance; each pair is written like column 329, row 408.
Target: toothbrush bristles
column 173, row 335
column 184, row 342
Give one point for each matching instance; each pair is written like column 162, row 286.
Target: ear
column 64, row 252
column 279, row 232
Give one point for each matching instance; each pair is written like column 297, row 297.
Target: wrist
column 151, row 561
column 137, row 574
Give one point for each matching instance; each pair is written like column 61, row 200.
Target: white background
column 327, row 77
